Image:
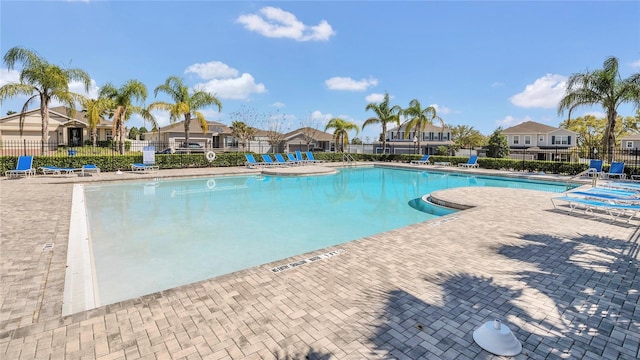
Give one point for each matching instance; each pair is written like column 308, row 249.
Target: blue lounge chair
column 268, row 160
column 251, row 161
column 300, row 158
column 595, row 168
column 615, row 170
column 614, row 209
column 282, row 161
column 311, row 159
column 54, row 170
column 423, row 161
column 144, row 167
column 24, row 167
column 90, row 168
column 292, row 158
column 472, row 163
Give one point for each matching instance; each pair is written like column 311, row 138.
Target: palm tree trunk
column 610, row 134
column 44, row 112
column 384, row 137
column 187, row 124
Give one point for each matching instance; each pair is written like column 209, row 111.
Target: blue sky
column 299, row 63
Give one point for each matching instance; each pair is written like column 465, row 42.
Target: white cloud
column 237, row 88
column 278, row 104
column 212, row 70
column 497, row 84
column 223, row 81
column 347, row 83
column 374, row 98
column 441, row 110
column 509, row 121
column 320, row 117
column 9, row 76
column 277, row 23
column 636, row 64
column 545, row 92
column 78, row 88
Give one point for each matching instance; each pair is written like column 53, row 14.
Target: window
column 527, row 140
column 629, row 144
column 516, row 139
column 109, row 135
column 561, row 140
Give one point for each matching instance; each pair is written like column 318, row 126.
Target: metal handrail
column 594, row 181
column 346, row 157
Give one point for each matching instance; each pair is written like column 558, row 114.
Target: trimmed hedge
column 181, row 161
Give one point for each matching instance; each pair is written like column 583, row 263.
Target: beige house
column 307, row 138
column 540, row 142
column 218, row 136
column 64, row 129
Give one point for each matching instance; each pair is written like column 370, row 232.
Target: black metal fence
column 110, row 151
column 102, row 148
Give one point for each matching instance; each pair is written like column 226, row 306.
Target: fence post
column 25, row 146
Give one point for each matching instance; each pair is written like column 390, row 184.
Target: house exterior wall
column 631, row 142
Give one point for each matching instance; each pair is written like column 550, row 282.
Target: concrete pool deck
column 566, row 285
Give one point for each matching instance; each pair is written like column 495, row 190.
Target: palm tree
column 604, row 87
column 94, row 110
column 341, row 133
column 122, row 105
column 385, row 114
column 184, row 105
column 419, row 118
column 242, row 132
column 44, row 82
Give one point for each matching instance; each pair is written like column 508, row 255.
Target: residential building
column 308, row 138
column 65, row 129
column 630, row 143
column 217, row 136
column 535, row 141
column 403, row 141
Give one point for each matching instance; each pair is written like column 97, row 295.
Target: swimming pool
column 150, row 236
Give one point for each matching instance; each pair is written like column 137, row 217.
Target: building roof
column 63, row 112
column 428, row 128
column 213, row 126
column 635, row 136
column 308, row 131
column 530, row 127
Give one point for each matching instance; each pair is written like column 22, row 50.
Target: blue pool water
column 151, row 236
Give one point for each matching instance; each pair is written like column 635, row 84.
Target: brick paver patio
column 567, row 286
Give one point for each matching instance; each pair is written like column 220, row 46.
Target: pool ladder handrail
column 346, row 157
column 594, row 179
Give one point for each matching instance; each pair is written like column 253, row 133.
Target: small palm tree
column 419, row 118
column 185, row 106
column 341, row 132
column 94, row 110
column 122, row 105
column 242, row 132
column 385, row 114
column 44, row 82
column 603, row 87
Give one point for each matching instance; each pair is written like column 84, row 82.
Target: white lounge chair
column 472, row 163
column 24, row 167
column 423, row 161
column 144, row 167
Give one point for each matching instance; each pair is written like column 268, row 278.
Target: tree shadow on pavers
column 311, row 354
column 594, row 287
column 441, row 327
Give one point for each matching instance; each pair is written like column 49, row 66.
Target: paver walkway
column 567, row 285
